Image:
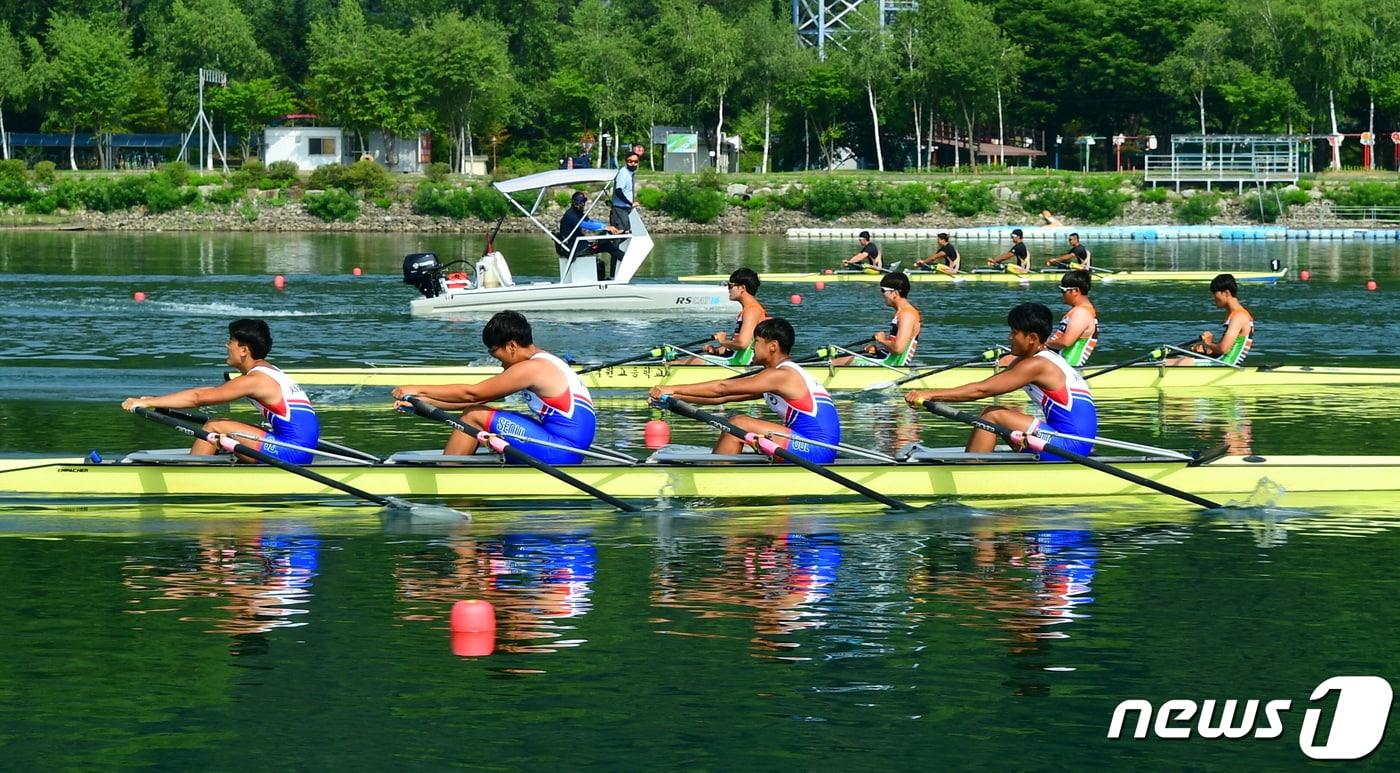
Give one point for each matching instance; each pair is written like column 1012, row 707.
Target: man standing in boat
column 869, row 252
column 899, row 344
column 1078, row 332
column 736, row 349
column 283, row 404
column 945, row 259
column 562, row 407
column 804, row 405
column 1237, row 337
column 1017, row 259
column 1078, row 255
column 1063, row 395
column 624, row 195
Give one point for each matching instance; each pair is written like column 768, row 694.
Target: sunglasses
column 1067, row 289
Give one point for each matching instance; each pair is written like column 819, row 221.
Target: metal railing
column 1361, row 214
column 1218, row 167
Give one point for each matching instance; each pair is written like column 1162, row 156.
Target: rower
column 806, row 408
column 945, row 259
column 736, row 349
column 1061, row 392
column 899, row 344
column 1077, row 257
column 869, row 252
column 561, row 404
column 1236, row 338
column 1078, row 332
column 1017, row 259
column 283, row 404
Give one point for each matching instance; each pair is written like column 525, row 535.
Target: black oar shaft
column 634, row 358
column 1155, row 354
column 689, row 411
column 940, row 409
column 321, row 445
column 266, row 458
column 516, row 455
column 989, row 354
column 831, row 352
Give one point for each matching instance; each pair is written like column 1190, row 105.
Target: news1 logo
column 1358, row 724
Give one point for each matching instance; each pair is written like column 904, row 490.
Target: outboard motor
column 423, row 270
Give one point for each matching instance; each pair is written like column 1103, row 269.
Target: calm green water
column 314, row 635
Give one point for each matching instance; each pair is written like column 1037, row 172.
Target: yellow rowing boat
column 1005, row 277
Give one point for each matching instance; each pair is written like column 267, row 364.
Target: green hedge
column 1092, row 200
column 969, row 199
column 1198, row 209
column 442, row 200
column 1366, row 194
column 691, row 200
column 334, row 204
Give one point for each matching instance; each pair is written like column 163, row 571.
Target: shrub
column 162, row 196
column 686, row 199
column 383, row 202
column 488, row 204
column 13, row 169
column 829, row 198
column 1366, row 194
column 897, row 202
column 45, row 172
column 226, row 195
column 250, row 175
column 105, row 194
column 442, row 201
column 367, row 177
column 177, row 172
column 1198, row 209
column 969, row 199
column 323, row 178
column 1306, row 185
column 794, row 198
column 68, row 192
column 1097, row 201
column 42, row 205
column 334, row 204
column 438, row 171
column 283, row 171
column 1272, row 204
column 649, row 198
column 709, row 179
column 562, row 198
column 14, row 191
column 248, row 210
column 1153, row 196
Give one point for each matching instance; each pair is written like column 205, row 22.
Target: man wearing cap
column 1016, row 260
column 624, row 195
column 869, row 251
column 574, row 224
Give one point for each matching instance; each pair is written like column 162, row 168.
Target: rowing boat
column 852, row 378
column 924, row 475
column 1004, row 277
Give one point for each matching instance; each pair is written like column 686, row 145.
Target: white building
column 308, row 147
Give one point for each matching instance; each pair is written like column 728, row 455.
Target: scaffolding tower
column 827, row 22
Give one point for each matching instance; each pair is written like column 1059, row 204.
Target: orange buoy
column 1305, row 275
column 279, row 281
column 475, row 644
column 473, row 616
column 356, row 271
column 1371, row 284
column 821, row 285
column 795, row 300
column 138, row 296
column 656, row 433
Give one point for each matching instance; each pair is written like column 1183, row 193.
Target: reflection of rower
column 1017, row 259
column 900, row 343
column 561, row 404
column 1078, row 256
column 945, row 259
column 1238, row 335
column 736, row 349
column 1078, row 332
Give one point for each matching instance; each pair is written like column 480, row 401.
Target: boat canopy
column 556, row 178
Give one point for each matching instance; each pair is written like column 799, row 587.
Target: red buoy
column 279, row 281
column 1371, row 284
column 1305, row 275
column 138, row 296
column 829, row 271
column 795, row 300
column 473, row 616
column 656, row 433
column 356, row 271
column 821, row 285
column 477, row 644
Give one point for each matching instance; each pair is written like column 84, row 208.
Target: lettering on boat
column 72, row 469
column 1356, row 727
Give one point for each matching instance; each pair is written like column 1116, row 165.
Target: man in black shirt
column 573, row 225
column 1018, row 256
column 945, row 259
column 868, row 251
column 1077, row 257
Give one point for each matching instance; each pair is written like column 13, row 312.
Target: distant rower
column 283, row 404
column 1017, row 259
column 1078, row 332
column 900, row 343
column 1061, row 392
column 869, row 252
column 944, row 259
column 736, row 349
column 561, row 404
column 1236, row 338
column 1078, row 256
column 805, row 407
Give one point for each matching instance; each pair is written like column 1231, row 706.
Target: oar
column 321, row 445
column 767, row 446
column 501, row 446
column 229, row 444
column 649, row 354
column 1039, row 444
column 984, row 356
column 830, row 352
column 1155, row 354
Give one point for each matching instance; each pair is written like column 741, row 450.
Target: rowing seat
column 683, row 454
column 921, row 454
column 176, row 456
column 438, row 457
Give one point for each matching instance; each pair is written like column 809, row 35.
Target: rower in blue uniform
column 562, row 408
column 804, row 405
column 1062, row 394
column 284, row 405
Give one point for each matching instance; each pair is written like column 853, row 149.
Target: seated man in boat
column 945, row 259
column 283, row 404
column 896, row 347
column 562, row 407
column 573, row 225
column 1236, row 338
column 1017, row 259
column 736, row 349
column 1063, row 395
column 869, row 252
column 1078, row 332
column 806, row 409
column 1078, row 255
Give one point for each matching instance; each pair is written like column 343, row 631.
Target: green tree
column 87, row 76
column 704, row 51
column 777, row 61
column 869, row 62
column 349, row 63
column 822, row 97
column 592, row 88
column 968, row 55
column 194, row 34
column 14, row 79
column 464, row 77
column 248, row 106
column 1202, row 61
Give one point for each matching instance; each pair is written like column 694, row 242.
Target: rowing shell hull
column 1229, row 477
column 850, row 378
column 1258, row 277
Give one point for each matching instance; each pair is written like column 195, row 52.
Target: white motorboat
column 491, row 287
